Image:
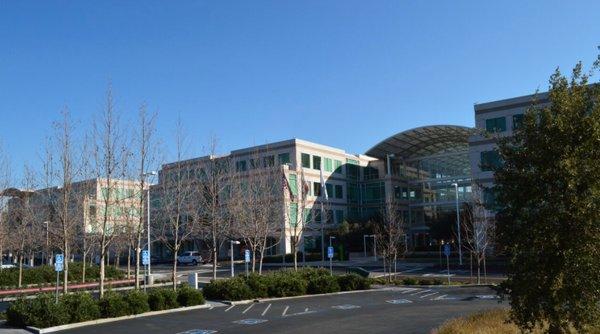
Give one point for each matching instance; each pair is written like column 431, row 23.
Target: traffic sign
column 447, row 249
column 330, row 252
column 247, row 256
column 145, row 257
column 59, row 261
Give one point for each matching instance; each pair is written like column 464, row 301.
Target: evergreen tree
column 549, row 192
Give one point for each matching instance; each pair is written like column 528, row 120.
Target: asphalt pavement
column 395, row 310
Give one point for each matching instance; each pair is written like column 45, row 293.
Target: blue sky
column 341, row 73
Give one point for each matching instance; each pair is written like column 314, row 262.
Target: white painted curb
column 108, row 320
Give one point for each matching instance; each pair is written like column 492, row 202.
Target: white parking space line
column 265, row 311
column 229, row 308
column 420, row 292
column 410, row 290
column 285, row 311
column 439, row 297
column 247, row 309
column 429, row 294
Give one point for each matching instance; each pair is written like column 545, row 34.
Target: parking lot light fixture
column 233, row 242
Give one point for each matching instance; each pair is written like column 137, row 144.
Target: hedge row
column 43, row 311
column 46, row 274
column 283, row 283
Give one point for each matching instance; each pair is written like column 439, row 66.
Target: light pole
column 331, row 258
column 441, row 244
column 148, row 174
column 232, row 242
column 458, row 225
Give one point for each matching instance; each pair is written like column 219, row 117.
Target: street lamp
column 331, row 258
column 458, row 224
column 441, row 244
column 233, row 242
column 145, row 175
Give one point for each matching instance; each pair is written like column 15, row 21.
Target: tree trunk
column 83, row 268
column 484, row 269
column 295, row 251
column 102, row 264
column 174, row 273
column 66, row 267
column 20, row 282
column 478, row 269
column 262, row 255
column 128, row 262
column 214, row 262
column 253, row 259
column 137, row 263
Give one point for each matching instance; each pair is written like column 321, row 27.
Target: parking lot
column 406, row 310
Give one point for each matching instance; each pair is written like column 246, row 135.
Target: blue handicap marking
column 58, row 266
column 330, row 252
column 59, row 258
column 247, row 256
column 145, row 257
column 447, row 249
column 250, row 321
column 198, row 331
column 399, row 301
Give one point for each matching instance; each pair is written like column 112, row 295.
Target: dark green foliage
column 113, row 305
column 187, row 296
column 137, row 302
column 46, row 274
column 350, row 282
column 425, row 281
column 80, row 307
column 287, row 283
column 548, row 196
column 39, row 312
column 228, row 289
column 322, row 284
column 258, row 284
column 162, row 299
column 409, row 281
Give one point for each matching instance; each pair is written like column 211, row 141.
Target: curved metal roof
column 423, row 141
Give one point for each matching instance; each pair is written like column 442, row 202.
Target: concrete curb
column 108, row 320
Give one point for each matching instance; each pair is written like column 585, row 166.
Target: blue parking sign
column 330, row 252
column 447, row 249
column 59, row 261
column 247, row 256
column 145, row 257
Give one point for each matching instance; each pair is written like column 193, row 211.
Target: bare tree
column 175, row 221
column 5, row 180
column 255, row 202
column 390, row 233
column 213, row 188
column 110, row 161
column 145, row 156
column 296, row 195
column 477, row 228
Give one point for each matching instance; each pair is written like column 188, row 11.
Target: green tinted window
column 284, row 158
column 269, row 161
column 338, row 166
column 328, row 165
column 305, row 160
column 317, row 189
column 293, row 183
column 293, row 214
column 495, row 124
column 339, row 216
column 490, row 160
column 316, row 162
column 240, row 166
column 329, row 188
column 307, row 216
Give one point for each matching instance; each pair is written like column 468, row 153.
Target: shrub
column 137, row 302
column 113, row 305
column 40, row 312
column 188, row 296
column 80, row 307
column 228, row 289
column 258, row 284
column 409, row 281
column 322, row 284
column 162, row 299
column 17, row 313
column 287, row 283
column 437, row 281
column 425, row 281
column 350, row 282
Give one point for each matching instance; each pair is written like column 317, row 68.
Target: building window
column 305, row 160
column 307, row 216
column 338, row 167
column 284, row 158
column 254, row 163
column 497, row 124
column 352, row 171
column 490, row 160
column 329, row 218
column 293, row 214
column 316, row 162
column 293, row 184
column 240, row 166
column 339, row 191
column 329, row 188
column 370, row 173
column 317, row 189
column 517, row 121
column 269, row 161
column 317, row 216
column 328, row 165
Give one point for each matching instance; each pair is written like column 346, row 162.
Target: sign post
column 247, row 259
column 145, row 262
column 447, row 253
column 330, row 256
column 58, row 267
